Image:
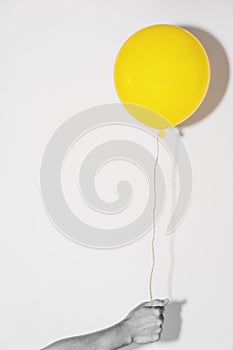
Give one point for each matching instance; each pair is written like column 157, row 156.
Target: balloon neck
column 161, row 134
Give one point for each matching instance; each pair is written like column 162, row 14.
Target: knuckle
column 157, row 330
column 157, row 312
column 156, row 337
column 159, row 320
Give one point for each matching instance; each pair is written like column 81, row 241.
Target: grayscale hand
column 141, row 326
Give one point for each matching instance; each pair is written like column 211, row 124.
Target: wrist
column 114, row 337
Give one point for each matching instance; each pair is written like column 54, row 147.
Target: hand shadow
column 219, row 74
column 172, row 321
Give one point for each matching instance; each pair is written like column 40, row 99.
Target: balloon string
column 153, row 222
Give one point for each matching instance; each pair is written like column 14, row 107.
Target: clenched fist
column 144, row 323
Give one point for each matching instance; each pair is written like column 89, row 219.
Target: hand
column 144, row 323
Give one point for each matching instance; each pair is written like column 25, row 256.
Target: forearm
column 111, row 338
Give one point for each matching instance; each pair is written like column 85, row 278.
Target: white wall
column 56, row 60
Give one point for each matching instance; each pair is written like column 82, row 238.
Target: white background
column 56, row 60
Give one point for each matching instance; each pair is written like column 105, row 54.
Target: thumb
column 157, row 303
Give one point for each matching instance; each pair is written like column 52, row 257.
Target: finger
column 146, row 339
column 161, row 309
column 157, row 303
column 158, row 330
column 157, row 311
column 159, row 320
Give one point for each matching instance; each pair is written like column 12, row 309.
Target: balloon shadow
column 219, row 74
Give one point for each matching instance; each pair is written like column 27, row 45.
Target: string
column 174, row 196
column 153, row 223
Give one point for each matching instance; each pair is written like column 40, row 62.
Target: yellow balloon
column 164, row 69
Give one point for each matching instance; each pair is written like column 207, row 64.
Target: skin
column 141, row 326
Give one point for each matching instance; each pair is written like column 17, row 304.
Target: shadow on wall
column 173, row 321
column 220, row 72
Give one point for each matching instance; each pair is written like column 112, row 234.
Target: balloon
column 164, row 69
